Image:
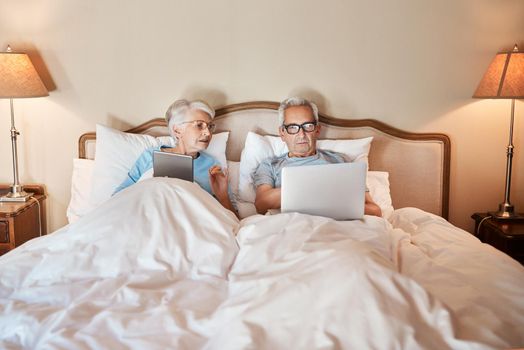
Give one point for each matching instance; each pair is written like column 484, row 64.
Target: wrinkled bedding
column 163, row 265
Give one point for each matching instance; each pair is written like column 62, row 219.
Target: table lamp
column 504, row 79
column 18, row 79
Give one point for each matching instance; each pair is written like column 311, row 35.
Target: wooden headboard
column 418, row 163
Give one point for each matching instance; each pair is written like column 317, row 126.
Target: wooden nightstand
column 505, row 235
column 22, row 221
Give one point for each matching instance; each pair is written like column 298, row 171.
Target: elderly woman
column 190, row 123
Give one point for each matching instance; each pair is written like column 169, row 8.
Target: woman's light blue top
column 201, row 166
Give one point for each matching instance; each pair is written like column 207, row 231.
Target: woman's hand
column 218, row 180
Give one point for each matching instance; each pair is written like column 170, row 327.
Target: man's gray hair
column 296, row 101
column 177, row 112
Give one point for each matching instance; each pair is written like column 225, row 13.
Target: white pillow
column 244, row 209
column 79, row 204
column 233, row 172
column 117, row 152
column 257, row 148
column 378, row 185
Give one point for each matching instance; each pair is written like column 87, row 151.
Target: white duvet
column 159, row 266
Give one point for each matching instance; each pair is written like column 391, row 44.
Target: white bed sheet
column 158, row 266
column 483, row 286
column 133, row 273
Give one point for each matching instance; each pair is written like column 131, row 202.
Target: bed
column 163, row 265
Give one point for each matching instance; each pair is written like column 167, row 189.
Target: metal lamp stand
column 17, row 193
column 506, row 209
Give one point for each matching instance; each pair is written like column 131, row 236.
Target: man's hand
column 267, row 198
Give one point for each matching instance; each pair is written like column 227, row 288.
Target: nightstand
column 505, row 235
column 22, row 221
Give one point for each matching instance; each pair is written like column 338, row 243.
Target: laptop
column 331, row 190
column 166, row 164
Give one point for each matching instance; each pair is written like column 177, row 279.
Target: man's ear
column 318, row 129
column 281, row 132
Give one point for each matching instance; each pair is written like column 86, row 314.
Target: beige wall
column 412, row 64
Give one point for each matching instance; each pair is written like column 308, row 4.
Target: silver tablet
column 167, row 164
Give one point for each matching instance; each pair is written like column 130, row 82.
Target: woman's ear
column 176, row 131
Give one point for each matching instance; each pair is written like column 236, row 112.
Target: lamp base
column 16, row 196
column 506, row 212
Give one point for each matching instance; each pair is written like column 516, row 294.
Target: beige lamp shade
column 18, row 77
column 504, row 77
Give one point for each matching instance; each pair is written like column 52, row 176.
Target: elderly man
column 190, row 123
column 299, row 129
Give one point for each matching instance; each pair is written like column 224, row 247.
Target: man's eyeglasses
column 293, row 129
column 201, row 125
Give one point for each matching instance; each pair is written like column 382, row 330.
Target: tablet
column 167, row 164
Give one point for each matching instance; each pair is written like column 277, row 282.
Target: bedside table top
column 511, row 228
column 14, row 208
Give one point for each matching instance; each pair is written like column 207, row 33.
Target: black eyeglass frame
column 300, row 126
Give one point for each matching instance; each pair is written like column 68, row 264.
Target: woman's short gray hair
column 177, row 112
column 296, row 101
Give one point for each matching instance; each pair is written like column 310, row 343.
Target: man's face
column 301, row 144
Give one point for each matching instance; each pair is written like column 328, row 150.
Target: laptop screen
column 331, row 190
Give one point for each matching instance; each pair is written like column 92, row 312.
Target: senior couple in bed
column 190, row 123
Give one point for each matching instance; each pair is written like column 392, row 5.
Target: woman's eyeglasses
column 293, row 129
column 201, row 125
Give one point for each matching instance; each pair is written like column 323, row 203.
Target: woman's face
column 193, row 134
